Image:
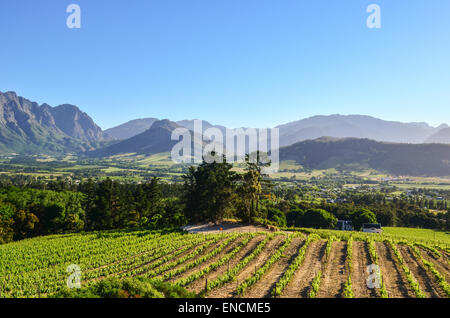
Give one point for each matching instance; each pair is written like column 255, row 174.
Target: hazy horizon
column 220, row 124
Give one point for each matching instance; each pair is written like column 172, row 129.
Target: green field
column 422, row 234
column 433, row 186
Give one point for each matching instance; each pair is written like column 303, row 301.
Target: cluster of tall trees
column 322, row 218
column 400, row 201
column 104, row 205
column 28, row 212
column 401, row 211
column 213, row 191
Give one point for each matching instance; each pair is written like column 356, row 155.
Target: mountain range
column 29, row 128
column 138, row 126
column 26, row 127
column 356, row 126
column 338, row 126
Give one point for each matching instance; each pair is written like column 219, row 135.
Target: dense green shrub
column 293, row 216
column 277, row 216
column 317, row 218
column 127, row 288
column 361, row 216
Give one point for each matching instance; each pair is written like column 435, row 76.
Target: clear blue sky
column 233, row 62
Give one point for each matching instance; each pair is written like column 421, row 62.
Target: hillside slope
column 441, row 137
column 398, row 159
column 157, row 139
column 29, row 128
column 131, row 128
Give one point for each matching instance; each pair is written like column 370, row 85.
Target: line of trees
column 27, row 212
column 211, row 191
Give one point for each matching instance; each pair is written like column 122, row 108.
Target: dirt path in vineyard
column 333, row 276
column 300, row 283
column 199, row 284
column 440, row 264
column 228, row 290
column 426, row 283
column 361, row 259
column 264, row 287
column 394, row 278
